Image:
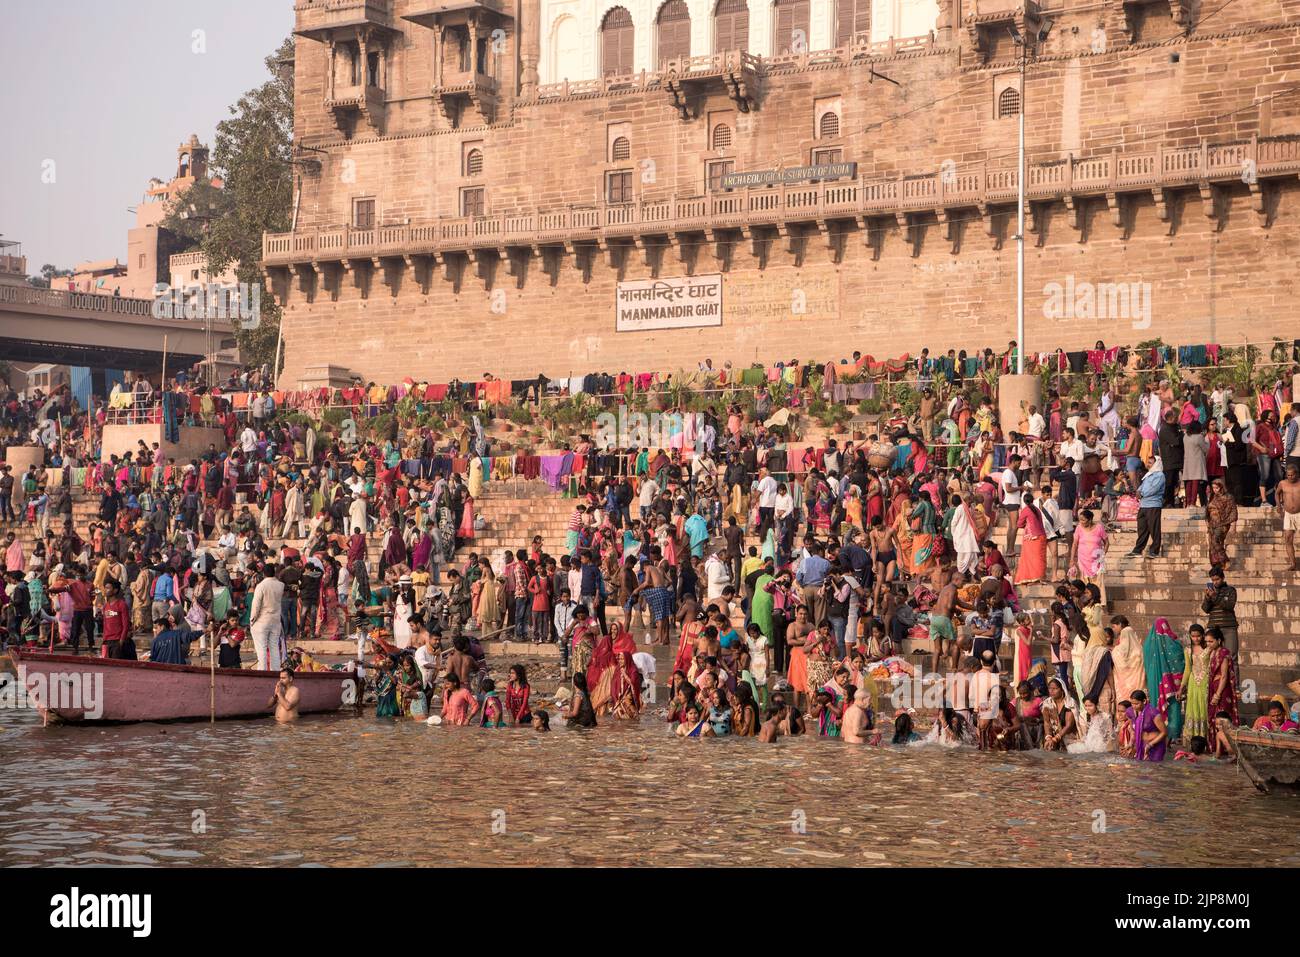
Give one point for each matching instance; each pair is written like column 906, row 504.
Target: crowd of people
column 792, row 579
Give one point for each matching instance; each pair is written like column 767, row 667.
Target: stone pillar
column 530, row 54
column 1015, row 394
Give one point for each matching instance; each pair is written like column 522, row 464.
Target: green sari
column 760, row 612
column 1196, row 682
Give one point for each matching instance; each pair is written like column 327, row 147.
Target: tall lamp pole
column 1023, row 42
column 1020, row 219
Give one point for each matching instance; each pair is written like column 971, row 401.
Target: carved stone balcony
column 734, row 72
column 324, row 20
column 431, row 12
column 352, row 105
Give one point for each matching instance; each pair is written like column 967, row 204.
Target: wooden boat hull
column 77, row 689
column 1265, row 756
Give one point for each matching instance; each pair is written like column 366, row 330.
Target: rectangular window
column 822, row 157
column 471, row 201
column 363, row 214
column 618, row 186
column 141, row 262
column 718, row 169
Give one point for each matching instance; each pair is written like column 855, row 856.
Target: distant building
column 13, row 264
column 144, row 243
column 105, row 276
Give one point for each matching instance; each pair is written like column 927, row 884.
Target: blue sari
column 1165, row 661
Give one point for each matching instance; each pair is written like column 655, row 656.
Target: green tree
column 49, row 273
column 252, row 155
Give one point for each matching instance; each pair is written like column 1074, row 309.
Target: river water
column 354, row 790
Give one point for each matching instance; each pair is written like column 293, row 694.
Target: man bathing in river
column 285, row 698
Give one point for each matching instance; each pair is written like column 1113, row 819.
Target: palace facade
column 524, row 186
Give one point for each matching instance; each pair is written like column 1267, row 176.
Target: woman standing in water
column 1150, row 733
column 1060, row 726
column 1195, row 689
column 1222, row 693
column 580, row 713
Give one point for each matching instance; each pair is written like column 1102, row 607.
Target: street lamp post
column 1023, row 42
column 1020, row 220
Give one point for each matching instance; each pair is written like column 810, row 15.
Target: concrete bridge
column 88, row 329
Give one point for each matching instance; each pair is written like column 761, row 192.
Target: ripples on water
column 335, row 790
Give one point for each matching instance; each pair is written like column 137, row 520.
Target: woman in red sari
column 875, row 500
column 1222, row 696
column 625, row 687
column 600, row 675
column 686, row 646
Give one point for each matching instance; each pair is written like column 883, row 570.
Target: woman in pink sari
column 1088, row 551
column 466, row 530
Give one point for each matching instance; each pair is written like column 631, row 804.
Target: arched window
column 828, row 127
column 1009, row 102
column 673, row 29
column 474, row 163
column 851, row 18
column 721, row 136
column 730, row 26
column 616, row 40
column 621, row 150
column 790, row 27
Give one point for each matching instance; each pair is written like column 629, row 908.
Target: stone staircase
column 1172, row 586
column 1143, row 589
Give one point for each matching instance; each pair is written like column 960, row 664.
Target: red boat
column 78, row 689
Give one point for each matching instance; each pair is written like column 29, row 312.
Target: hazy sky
column 108, row 89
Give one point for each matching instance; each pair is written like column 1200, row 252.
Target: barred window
column 721, row 136
column 621, row 150
column 474, row 163
column 1009, row 102
column 829, row 126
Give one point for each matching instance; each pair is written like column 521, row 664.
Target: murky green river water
column 337, row 790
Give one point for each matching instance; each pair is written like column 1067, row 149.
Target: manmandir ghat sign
column 793, row 174
column 674, row 303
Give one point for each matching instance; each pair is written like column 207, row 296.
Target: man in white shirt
column 564, row 609
column 767, row 490
column 649, row 492
column 1037, row 424
column 265, row 623
column 248, row 440
column 1010, row 485
column 717, row 576
column 1072, row 447
column 784, row 511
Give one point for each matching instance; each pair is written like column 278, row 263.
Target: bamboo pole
column 212, row 678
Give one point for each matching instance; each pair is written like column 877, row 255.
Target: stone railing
column 31, row 299
column 974, row 186
column 716, row 64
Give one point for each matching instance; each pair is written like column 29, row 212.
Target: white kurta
column 265, row 625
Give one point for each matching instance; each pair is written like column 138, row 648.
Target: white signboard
column 677, row 303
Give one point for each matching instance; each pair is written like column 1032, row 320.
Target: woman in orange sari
column 600, row 676
column 1032, row 564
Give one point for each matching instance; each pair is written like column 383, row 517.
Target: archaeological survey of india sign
column 677, row 303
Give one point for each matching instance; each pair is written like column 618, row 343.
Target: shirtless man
column 883, row 555
column 658, row 597
column 796, row 635
column 1288, row 499
column 771, row 728
column 285, row 698
column 856, row 718
column 460, row 662
column 943, row 637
